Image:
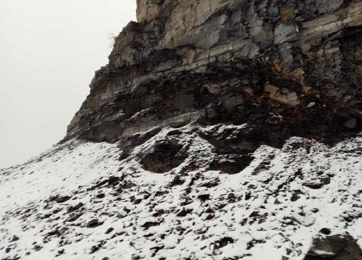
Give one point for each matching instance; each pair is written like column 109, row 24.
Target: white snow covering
column 269, row 211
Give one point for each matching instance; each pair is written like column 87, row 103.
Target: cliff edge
column 286, row 68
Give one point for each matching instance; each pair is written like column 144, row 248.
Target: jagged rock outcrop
column 287, row 68
column 231, row 129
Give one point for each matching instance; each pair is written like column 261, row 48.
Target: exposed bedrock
column 284, row 68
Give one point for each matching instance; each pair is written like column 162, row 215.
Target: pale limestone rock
column 148, row 10
column 213, row 89
column 287, row 97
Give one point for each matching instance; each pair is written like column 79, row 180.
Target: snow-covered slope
column 80, row 200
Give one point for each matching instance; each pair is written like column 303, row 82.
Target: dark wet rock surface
column 337, row 247
column 286, row 68
column 164, row 156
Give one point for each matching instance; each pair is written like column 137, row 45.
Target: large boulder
column 337, row 247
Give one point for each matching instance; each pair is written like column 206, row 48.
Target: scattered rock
column 97, row 247
column 59, row 198
column 14, row 239
column 176, row 181
column 60, row 252
column 75, row 208
column 184, row 212
column 74, row 216
column 210, row 183
column 137, row 201
column 325, row 231
column 351, row 124
column 100, row 196
column 213, row 88
column 296, row 196
column 315, row 185
column 94, row 223
column 38, row 248
column 311, row 104
column 222, row 242
column 109, row 231
column 149, row 224
column 203, row 197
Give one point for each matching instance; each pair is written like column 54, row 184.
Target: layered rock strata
column 286, row 68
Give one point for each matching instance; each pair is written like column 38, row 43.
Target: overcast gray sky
column 49, row 50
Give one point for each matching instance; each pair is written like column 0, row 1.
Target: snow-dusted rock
column 188, row 212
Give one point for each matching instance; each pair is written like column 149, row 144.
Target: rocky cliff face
column 286, row 68
column 223, row 129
